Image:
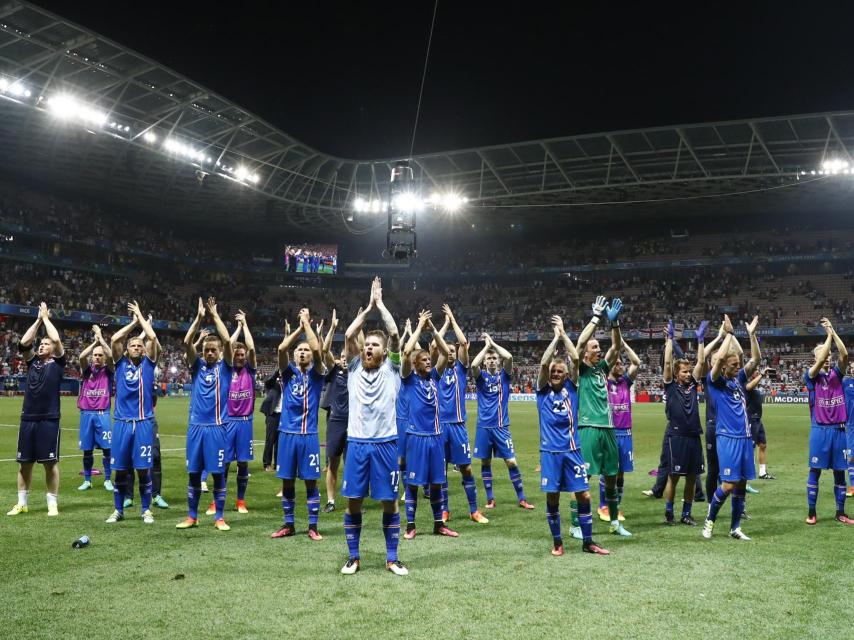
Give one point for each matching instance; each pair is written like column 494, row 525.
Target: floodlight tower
column 403, row 205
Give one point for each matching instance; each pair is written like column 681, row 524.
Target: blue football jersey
column 402, row 406
column 423, row 400
column 731, row 412
column 558, row 417
column 452, row 392
column 134, row 389
column 209, row 396
column 493, row 395
column 848, row 388
column 300, row 399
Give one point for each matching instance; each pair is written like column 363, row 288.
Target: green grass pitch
column 495, row 581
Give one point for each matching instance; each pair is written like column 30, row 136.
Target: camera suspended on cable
column 403, row 205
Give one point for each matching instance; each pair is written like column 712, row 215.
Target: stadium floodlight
column 407, row 202
column 150, row 137
column 68, row 107
column 15, row 88
column 834, row 166
column 359, row 204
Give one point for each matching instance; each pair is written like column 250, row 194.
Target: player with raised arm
column 754, row 413
column 596, row 428
column 373, row 383
column 562, row 464
column 726, row 384
column 848, row 390
column 96, row 388
column 425, row 446
column 452, row 413
column 683, row 432
column 620, row 381
column 39, row 434
column 207, row 444
column 402, row 416
column 299, row 443
column 336, row 421
column 491, row 369
column 827, row 430
column 133, row 433
column 241, row 408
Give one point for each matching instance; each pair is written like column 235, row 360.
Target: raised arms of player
column 97, row 341
column 667, row 369
column 505, row 355
column 462, row 341
column 478, row 360
column 409, row 347
column 328, row 358
column 755, row 352
column 634, row 362
column 200, row 339
column 388, row 320
column 248, row 340
column 434, row 350
column 283, row 352
column 613, row 312
column 190, row 351
column 352, row 343
column 588, row 331
column 754, row 382
column 824, row 352
column 571, row 353
column 843, row 353
column 700, row 365
column 441, row 349
column 221, row 331
column 546, row 360
column 29, row 337
column 51, row 332
column 117, row 340
column 152, row 345
column 313, row 341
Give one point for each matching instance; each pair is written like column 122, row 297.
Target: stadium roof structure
column 183, row 151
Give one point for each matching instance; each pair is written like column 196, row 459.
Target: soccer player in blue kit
column 726, row 384
column 425, row 445
column 452, row 413
column 562, row 465
column 848, row 390
column 372, row 384
column 299, row 442
column 133, row 432
column 492, row 435
column 207, row 443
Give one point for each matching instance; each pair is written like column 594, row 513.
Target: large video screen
column 311, row 258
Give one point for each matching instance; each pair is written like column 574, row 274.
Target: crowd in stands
column 77, row 257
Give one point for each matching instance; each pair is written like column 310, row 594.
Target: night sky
column 344, row 76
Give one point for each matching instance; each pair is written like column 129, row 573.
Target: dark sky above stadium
column 344, row 77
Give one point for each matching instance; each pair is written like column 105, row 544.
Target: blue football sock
column 411, row 502
column 613, row 504
column 601, row 491
column 516, row 479
column 445, row 495
column 686, row 509
column 486, row 476
column 352, row 532
column 470, row 488
column 242, row 479
column 106, row 461
column 88, row 463
column 312, row 504
column 737, row 508
column 219, row 494
column 668, row 510
column 120, row 487
column 391, row 531
column 145, row 489
column 839, row 490
column 288, row 501
column 553, row 518
column 716, row 503
column 194, row 493
column 585, row 519
column 436, row 502
column 812, row 488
